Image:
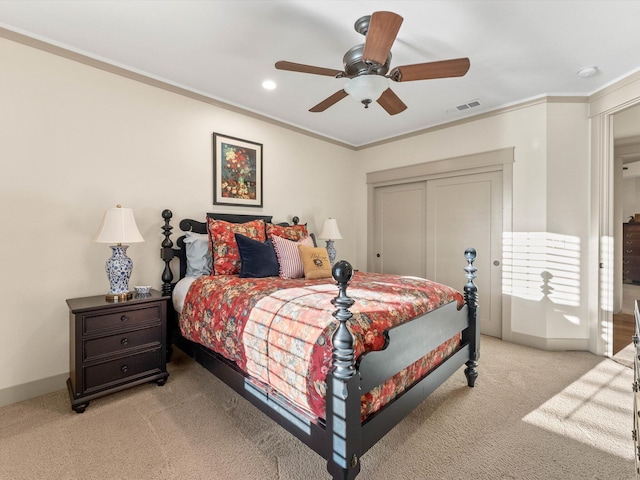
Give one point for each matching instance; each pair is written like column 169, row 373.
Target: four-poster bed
column 422, row 351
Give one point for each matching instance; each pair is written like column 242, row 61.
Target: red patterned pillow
column 292, row 232
column 223, row 245
column 289, row 256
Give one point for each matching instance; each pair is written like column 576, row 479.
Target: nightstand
column 113, row 346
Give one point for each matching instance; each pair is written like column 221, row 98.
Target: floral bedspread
column 279, row 330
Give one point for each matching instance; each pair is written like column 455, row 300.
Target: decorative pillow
column 315, row 261
column 291, row 232
column 224, row 249
column 289, row 256
column 258, row 259
column 198, row 254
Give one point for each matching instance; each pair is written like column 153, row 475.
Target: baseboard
column 25, row 391
column 551, row 344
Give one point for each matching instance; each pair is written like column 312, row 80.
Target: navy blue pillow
column 258, row 259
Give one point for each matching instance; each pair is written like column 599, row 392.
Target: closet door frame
column 495, row 160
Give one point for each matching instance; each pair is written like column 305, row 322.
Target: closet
column 422, row 223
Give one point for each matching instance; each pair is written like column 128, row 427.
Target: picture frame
column 237, row 171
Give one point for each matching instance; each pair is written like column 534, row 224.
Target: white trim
column 25, row 391
column 602, row 273
column 463, row 165
column 552, row 344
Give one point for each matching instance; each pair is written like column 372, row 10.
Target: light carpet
column 532, row 415
column 626, row 356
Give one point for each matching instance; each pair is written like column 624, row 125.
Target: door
column 400, row 229
column 423, row 229
column 466, row 211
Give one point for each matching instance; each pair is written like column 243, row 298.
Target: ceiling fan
column 366, row 66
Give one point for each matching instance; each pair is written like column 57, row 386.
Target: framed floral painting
column 237, row 172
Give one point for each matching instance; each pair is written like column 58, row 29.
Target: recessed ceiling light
column 269, row 85
column 587, row 72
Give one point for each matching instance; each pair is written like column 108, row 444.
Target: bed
column 352, row 390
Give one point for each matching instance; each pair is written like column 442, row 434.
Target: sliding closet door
column 400, row 219
column 423, row 229
column 466, row 211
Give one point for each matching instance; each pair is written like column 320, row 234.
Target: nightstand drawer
column 108, row 373
column 125, row 318
column 121, row 342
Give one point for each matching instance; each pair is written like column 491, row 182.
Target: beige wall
column 568, row 219
column 75, row 140
column 630, row 193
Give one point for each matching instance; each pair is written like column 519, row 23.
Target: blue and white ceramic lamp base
column 331, row 250
column 119, row 268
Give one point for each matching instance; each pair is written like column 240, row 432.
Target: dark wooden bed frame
column 344, row 438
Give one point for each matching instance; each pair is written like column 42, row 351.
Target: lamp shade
column 330, row 230
column 118, row 226
column 367, row 88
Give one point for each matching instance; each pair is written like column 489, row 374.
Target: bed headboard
column 168, row 252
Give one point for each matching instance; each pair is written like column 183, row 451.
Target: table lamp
column 330, row 232
column 118, row 227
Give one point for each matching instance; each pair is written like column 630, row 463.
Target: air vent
column 465, row 106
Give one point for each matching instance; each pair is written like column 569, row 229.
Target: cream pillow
column 315, row 262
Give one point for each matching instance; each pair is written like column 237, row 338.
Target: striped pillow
column 289, row 256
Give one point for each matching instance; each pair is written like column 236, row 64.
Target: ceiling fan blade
column 391, row 102
column 427, row 71
column 383, row 28
column 299, row 67
column 330, row 101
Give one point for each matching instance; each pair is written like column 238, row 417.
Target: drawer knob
column 124, row 318
column 124, row 369
column 124, row 341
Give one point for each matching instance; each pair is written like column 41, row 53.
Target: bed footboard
column 349, row 438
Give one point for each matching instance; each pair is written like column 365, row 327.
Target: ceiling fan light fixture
column 366, row 88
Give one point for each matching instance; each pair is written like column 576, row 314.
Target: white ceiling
column 519, row 50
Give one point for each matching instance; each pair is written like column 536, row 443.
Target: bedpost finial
column 343, row 341
column 167, row 214
column 342, row 271
column 470, row 269
column 470, row 288
column 470, row 254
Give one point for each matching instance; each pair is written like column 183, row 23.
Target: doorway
column 626, row 177
column 604, row 270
